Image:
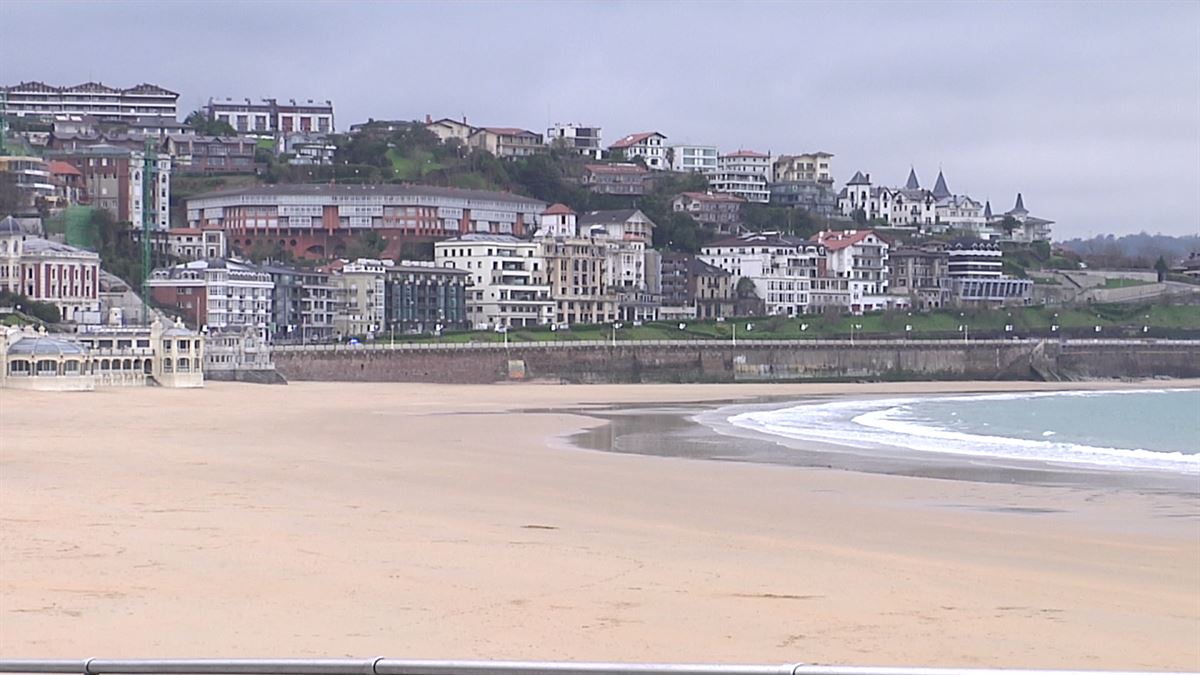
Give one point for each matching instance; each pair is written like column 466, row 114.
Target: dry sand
column 425, row 521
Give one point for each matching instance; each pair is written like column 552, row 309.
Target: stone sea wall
column 748, row 361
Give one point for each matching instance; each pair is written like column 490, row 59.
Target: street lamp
column 965, row 330
column 615, row 326
column 854, row 327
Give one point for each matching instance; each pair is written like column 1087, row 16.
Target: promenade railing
column 384, row 666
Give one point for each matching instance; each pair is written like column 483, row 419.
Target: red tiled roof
column 616, row 168
column 183, row 231
column 558, row 210
column 835, row 240
column 746, row 153
column 712, row 197
column 60, row 167
column 634, row 139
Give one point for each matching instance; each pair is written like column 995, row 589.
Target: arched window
column 71, row 367
column 127, row 365
column 148, row 367
column 47, row 367
column 20, row 367
column 104, row 365
column 167, row 365
column 185, row 365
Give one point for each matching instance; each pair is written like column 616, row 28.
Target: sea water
column 1129, row 429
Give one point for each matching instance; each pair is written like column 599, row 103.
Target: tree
column 745, row 289
column 208, row 126
column 859, row 216
column 1162, row 268
column 367, row 245
column 1009, row 224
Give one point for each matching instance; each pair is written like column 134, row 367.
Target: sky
column 1090, row 109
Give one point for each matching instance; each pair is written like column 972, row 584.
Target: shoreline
column 455, row 522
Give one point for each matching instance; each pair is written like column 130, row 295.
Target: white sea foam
column 888, row 423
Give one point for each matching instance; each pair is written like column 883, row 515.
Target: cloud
column 1092, row 110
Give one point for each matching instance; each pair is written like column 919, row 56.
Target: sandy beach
column 428, row 521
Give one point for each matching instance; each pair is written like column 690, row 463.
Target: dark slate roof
column 859, row 179
column 10, row 226
column 605, row 217
column 697, row 267
column 1020, row 207
column 913, row 183
column 987, row 209
column 940, row 191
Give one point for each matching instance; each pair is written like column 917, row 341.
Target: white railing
column 382, row 666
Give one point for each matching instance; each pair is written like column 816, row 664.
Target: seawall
column 748, row 361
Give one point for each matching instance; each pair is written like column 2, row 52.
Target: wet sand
column 426, row 521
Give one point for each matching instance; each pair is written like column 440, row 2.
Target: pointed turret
column 913, row 183
column 1020, row 207
column 859, row 179
column 940, row 191
column 987, row 210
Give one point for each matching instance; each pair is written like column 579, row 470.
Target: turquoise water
column 1144, row 429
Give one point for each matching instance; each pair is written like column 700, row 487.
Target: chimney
column 428, row 118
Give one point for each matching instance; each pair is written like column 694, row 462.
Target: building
column 36, row 99
column 576, row 269
column 114, row 179
column 32, row 179
column 860, row 257
column 48, row 271
column 976, row 270
column 506, row 279
column 583, row 140
column 780, row 266
column 35, row 361
column 506, row 142
column 815, row 198
column 615, row 179
column 359, row 297
column 69, row 184
column 238, row 353
column 626, row 235
column 301, row 305
column 320, row 221
column 715, row 209
column 218, row 293
column 745, row 173
column 702, row 290
column 447, row 129
column 649, row 145
column 271, row 118
column 212, row 154
column 102, row 356
column 910, row 206
column 1027, row 229
column 810, row 167
column 424, row 298
column 195, row 244
column 308, row 149
column 922, row 274
column 693, row 158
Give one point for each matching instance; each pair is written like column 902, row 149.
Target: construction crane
column 149, row 192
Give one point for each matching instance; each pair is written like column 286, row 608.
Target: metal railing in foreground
column 382, row 666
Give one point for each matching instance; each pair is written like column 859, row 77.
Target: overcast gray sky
column 1091, row 109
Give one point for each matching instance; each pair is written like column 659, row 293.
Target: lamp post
column 615, row 326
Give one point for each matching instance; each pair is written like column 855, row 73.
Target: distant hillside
column 1132, row 250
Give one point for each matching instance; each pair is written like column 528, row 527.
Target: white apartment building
column 625, row 234
column 744, row 173
column 693, row 158
column 273, row 117
column 782, row 267
column 216, row 293
column 38, row 99
column 506, row 285
column 359, row 301
column 584, row 140
column 649, row 145
column 860, row 257
column 809, row 167
column 576, row 269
